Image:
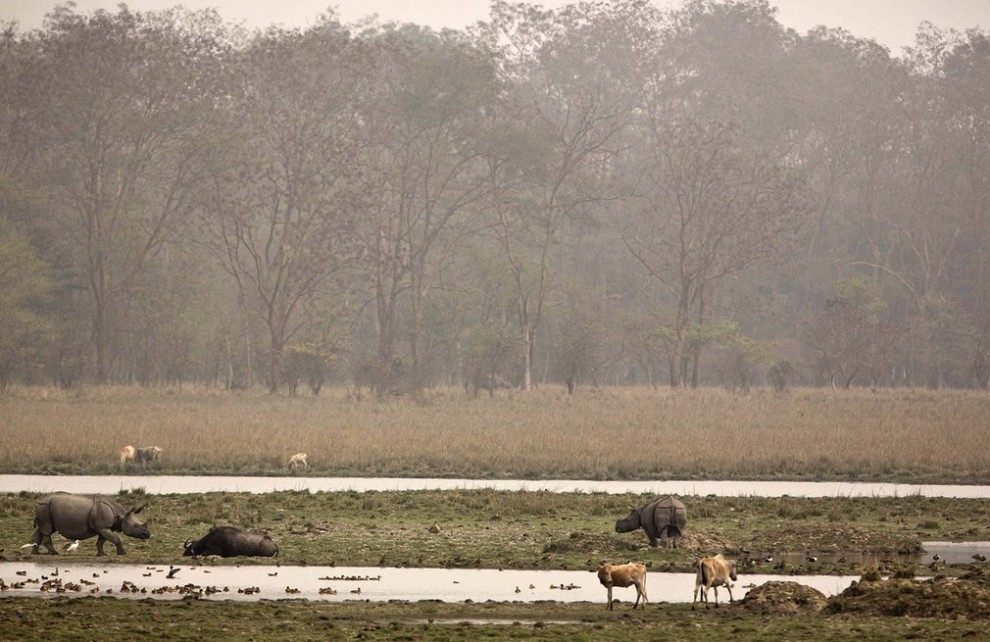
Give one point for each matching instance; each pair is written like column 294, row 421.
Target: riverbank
column 491, row 529
column 38, row 620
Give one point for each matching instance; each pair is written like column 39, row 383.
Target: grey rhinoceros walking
column 82, row 517
column 663, row 518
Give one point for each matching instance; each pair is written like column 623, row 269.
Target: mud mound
column 940, row 597
column 589, row 542
column 706, row 543
column 836, row 537
column 784, row 597
column 977, row 573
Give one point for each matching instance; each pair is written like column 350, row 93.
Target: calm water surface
column 353, row 583
column 165, row 484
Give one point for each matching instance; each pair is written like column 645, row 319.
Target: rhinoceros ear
column 138, row 509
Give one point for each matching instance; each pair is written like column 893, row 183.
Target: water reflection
column 165, row 484
column 327, row 583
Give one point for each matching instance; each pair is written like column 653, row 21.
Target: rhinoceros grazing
column 228, row 541
column 663, row 518
column 81, row 517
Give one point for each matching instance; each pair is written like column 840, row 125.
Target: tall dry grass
column 609, row 433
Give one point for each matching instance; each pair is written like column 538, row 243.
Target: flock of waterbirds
column 54, row 582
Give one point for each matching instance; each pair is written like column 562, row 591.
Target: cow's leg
column 641, row 591
column 715, row 588
column 107, row 535
column 609, row 606
column 728, row 587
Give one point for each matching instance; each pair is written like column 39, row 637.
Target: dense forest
column 604, row 194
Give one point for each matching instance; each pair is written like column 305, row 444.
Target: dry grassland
column 612, row 433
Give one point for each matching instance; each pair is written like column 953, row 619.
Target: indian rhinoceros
column 229, row 541
column 81, row 517
column 664, row 518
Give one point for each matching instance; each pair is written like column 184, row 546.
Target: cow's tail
column 704, row 572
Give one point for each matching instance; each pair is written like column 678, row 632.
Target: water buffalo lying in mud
column 80, row 517
column 228, row 541
column 664, row 518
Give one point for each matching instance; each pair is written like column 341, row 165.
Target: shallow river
column 164, row 484
column 53, row 577
column 351, row 583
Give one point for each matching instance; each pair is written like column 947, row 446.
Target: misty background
column 604, row 194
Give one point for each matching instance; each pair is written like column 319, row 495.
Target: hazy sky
column 891, row 22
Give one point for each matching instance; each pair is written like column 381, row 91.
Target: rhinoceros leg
column 35, row 540
column 105, row 534
column 40, row 538
column 47, row 542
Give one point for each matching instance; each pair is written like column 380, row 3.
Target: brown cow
column 712, row 573
column 623, row 575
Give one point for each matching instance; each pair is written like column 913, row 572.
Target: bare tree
column 709, row 208
column 127, row 101
column 574, row 74
column 424, row 174
column 280, row 214
column 850, row 339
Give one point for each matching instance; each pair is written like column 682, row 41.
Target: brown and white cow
column 623, row 575
column 298, row 461
column 712, row 573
